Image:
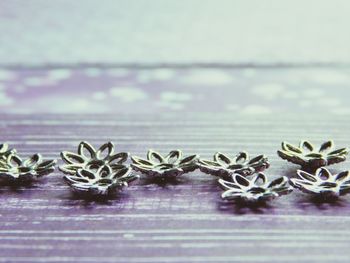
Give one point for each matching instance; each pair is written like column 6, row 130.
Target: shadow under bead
column 224, row 166
column 14, row 169
column 88, row 157
column 256, row 189
column 309, row 157
column 171, row 165
column 322, row 182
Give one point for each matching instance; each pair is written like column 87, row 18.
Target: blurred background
column 244, row 56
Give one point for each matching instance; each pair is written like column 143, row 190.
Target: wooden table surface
column 197, row 110
column 183, row 221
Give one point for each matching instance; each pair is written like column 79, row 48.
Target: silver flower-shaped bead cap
column 5, row 151
column 322, row 182
column 89, row 158
column 224, row 166
column 101, row 181
column 310, row 158
column 15, row 169
column 159, row 166
column 255, row 189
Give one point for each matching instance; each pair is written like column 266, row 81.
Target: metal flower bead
column 159, row 166
column 101, row 181
column 322, row 182
column 15, row 169
column 5, row 151
column 310, row 158
column 224, row 166
column 255, row 189
column 87, row 158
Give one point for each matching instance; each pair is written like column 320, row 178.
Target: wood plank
column 183, row 222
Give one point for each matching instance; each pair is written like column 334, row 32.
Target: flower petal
column 24, row 169
column 4, row 170
column 104, row 171
column 122, row 173
column 86, row 150
column 235, row 166
column 305, row 186
column 228, row 185
column 257, row 159
column 75, row 179
column 306, row 176
column 174, row 156
column 326, row 146
column 291, row 157
column 278, row 183
column 14, row 160
column 116, row 166
column 142, row 168
column 4, row 148
column 104, row 182
column 72, row 158
column 155, row 157
column 222, row 159
column 231, row 194
column 164, row 166
column 295, row 182
column 323, row 173
column 83, row 173
column 33, row 161
column 189, row 160
column 259, row 179
column 314, row 155
column 46, row 171
column 259, row 163
column 335, row 159
column 105, row 151
column 140, row 161
column 283, row 190
column 46, row 164
column 306, row 146
column 209, row 163
column 342, row 151
column 4, row 164
column 118, row 158
column 70, row 168
column 240, row 180
column 86, row 188
column 256, row 190
column 342, row 176
column 291, row 148
column 241, row 158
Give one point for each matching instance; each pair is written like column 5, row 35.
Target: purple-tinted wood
column 178, row 222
